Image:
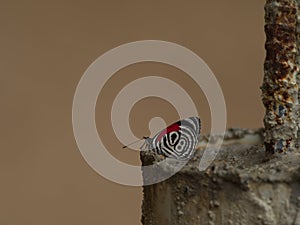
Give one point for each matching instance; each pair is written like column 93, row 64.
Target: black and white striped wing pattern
column 178, row 140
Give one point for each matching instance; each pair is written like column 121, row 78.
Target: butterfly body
column 178, row 140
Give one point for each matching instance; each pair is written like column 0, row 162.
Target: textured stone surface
column 241, row 186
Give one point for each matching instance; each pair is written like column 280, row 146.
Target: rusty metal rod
column 280, row 88
column 298, row 63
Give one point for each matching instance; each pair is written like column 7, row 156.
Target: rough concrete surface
column 241, row 186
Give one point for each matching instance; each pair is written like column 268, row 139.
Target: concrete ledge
column 241, row 186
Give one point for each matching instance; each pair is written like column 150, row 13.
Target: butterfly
column 178, row 140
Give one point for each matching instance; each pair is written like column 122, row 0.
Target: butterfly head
column 147, row 144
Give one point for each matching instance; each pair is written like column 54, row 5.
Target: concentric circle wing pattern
column 178, row 140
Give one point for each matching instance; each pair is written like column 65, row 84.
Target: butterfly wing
column 178, row 140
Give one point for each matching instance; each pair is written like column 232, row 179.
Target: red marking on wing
column 173, row 127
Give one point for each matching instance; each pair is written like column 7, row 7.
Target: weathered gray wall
column 239, row 187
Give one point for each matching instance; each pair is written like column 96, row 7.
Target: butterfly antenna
column 125, row 146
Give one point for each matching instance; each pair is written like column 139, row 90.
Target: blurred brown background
column 45, row 48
